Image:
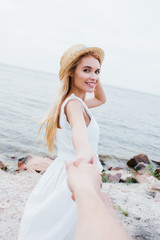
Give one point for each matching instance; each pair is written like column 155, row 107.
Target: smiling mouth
column 91, row 84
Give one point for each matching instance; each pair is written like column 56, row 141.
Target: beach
column 137, row 205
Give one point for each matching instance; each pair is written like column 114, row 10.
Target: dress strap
column 63, row 118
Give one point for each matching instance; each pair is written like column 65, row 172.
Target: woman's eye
column 86, row 70
column 97, row 72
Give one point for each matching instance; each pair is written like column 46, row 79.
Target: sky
column 35, row 33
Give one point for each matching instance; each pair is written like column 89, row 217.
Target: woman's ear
column 71, row 74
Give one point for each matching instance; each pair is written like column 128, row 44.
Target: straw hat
column 74, row 52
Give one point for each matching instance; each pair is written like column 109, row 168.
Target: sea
column 129, row 121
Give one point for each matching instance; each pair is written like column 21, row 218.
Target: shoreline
column 12, row 161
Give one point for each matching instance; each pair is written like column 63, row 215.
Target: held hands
column 87, row 155
column 85, row 177
column 86, row 160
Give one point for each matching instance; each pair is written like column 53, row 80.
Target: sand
column 137, row 200
column 142, row 206
column 14, row 192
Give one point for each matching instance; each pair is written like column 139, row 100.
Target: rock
column 107, row 168
column 114, row 177
column 157, row 170
column 142, row 178
column 102, row 162
column 157, row 162
column 120, row 175
column 116, row 169
column 144, row 171
column 34, row 163
column 2, row 166
column 128, row 177
column 138, row 159
column 22, row 162
column 140, row 166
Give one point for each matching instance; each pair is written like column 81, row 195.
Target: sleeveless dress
column 50, row 213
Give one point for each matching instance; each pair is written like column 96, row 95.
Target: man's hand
column 83, row 177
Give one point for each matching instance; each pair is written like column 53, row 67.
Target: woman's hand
column 86, row 155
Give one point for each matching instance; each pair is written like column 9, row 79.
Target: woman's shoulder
column 71, row 97
column 74, row 97
column 74, row 105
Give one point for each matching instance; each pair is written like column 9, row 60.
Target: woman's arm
column 75, row 116
column 99, row 97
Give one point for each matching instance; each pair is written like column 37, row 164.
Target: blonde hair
column 52, row 120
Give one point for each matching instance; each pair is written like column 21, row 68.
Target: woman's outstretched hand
column 87, row 155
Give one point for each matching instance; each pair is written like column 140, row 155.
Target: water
column 129, row 121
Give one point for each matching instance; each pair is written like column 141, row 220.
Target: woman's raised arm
column 99, row 97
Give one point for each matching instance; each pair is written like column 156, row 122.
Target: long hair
column 52, row 120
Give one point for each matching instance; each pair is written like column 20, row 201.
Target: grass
column 150, row 169
column 157, row 175
column 5, row 168
column 104, row 177
column 124, row 212
column 131, row 180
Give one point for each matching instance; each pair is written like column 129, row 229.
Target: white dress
column 50, row 213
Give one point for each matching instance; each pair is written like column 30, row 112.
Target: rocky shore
column 135, row 191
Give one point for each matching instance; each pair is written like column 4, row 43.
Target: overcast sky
column 35, row 33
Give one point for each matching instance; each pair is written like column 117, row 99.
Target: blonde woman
column 50, row 213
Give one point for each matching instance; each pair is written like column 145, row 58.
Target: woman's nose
column 93, row 76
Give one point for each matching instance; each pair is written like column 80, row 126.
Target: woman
column 50, row 213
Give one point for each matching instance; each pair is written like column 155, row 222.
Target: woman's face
column 86, row 75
